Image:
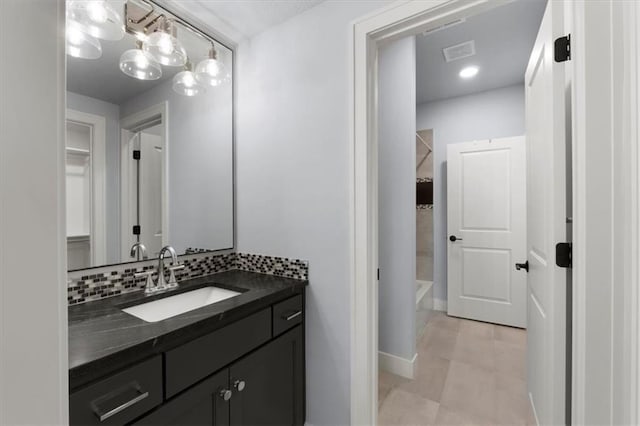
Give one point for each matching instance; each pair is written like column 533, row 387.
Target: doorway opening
column 468, row 359
column 85, row 197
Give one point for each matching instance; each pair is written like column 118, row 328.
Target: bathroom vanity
column 239, row 361
column 219, row 338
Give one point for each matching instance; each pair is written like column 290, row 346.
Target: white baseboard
column 397, row 365
column 439, row 305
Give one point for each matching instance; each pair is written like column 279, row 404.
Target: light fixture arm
column 144, row 17
column 213, row 53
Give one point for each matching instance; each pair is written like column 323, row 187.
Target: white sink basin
column 168, row 307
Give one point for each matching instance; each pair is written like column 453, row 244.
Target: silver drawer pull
column 122, row 407
column 292, row 316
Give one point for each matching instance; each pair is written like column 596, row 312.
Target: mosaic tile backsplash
column 99, row 283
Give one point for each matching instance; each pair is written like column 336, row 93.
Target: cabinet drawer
column 119, row 398
column 287, row 314
column 197, row 359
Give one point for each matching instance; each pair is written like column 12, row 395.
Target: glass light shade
column 81, row 44
column 185, row 83
column 211, row 72
column 97, row 18
column 139, row 64
column 165, row 48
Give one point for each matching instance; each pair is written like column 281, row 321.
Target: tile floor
column 467, row 373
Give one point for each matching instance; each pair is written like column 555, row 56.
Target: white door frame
column 98, row 239
column 404, row 18
column 127, row 190
column 398, row 20
column 606, row 192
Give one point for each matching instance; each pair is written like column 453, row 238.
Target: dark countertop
column 103, row 339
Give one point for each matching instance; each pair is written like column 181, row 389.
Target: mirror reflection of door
column 143, row 167
column 149, row 189
column 85, row 191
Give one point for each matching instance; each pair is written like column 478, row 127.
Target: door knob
column 453, row 238
column 524, row 266
column 226, row 394
column 239, row 385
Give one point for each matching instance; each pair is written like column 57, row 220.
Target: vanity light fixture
column 139, row 64
column 469, row 72
column 97, row 18
column 185, row 82
column 211, row 71
column 163, row 45
column 81, row 44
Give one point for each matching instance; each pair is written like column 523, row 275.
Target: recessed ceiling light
column 469, row 72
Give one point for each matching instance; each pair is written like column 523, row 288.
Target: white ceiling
column 504, row 37
column 249, row 17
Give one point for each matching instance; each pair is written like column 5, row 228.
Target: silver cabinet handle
column 292, row 316
column 119, row 408
column 226, row 394
column 239, row 385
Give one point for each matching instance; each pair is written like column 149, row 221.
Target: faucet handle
column 149, row 287
column 172, row 277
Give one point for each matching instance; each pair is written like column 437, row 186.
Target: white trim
column 34, row 368
column 606, row 166
column 397, row 365
column 439, row 305
column 634, row 135
column 127, row 210
column 98, row 124
column 400, row 19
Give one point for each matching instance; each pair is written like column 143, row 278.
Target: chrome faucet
column 139, row 247
column 162, row 283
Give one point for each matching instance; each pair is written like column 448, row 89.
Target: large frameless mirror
column 149, row 142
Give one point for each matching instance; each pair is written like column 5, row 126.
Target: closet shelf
column 79, row 151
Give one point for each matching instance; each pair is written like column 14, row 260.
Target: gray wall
column 397, row 198
column 111, row 113
column 293, row 160
column 33, row 307
column 492, row 114
column 200, row 164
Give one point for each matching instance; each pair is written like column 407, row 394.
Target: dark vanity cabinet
column 250, row 372
column 273, row 381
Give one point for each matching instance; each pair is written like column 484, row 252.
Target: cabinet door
column 268, row 385
column 203, row 404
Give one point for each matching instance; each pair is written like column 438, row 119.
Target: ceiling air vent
column 459, row 51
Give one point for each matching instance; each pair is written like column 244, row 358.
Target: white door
column 150, row 192
column 546, row 224
column 486, row 222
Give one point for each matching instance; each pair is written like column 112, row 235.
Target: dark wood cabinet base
column 248, row 373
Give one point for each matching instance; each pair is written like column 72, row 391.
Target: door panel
column 486, row 274
column 273, row 395
column 486, row 176
column 487, row 215
column 546, row 225
column 150, row 192
column 201, row 405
